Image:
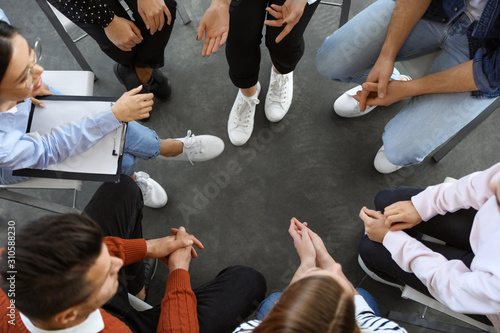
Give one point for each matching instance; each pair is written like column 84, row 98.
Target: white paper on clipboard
column 99, row 158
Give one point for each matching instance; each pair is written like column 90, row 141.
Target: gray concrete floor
column 312, row 165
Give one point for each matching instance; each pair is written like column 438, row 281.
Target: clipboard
column 101, row 162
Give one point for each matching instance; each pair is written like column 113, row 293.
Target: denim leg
column 370, row 300
column 267, row 304
column 350, row 52
column 140, row 142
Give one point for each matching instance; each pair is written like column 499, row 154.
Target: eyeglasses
column 37, row 50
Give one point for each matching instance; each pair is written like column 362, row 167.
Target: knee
column 331, row 63
column 249, row 279
column 384, row 198
column 366, row 248
column 401, row 152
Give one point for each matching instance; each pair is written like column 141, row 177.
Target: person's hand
column 401, row 215
column 395, row 92
column 162, row 247
column 153, row 14
column 196, row 242
column 123, row 33
column 42, row 91
column 323, row 259
column 286, row 16
column 215, row 25
column 379, row 76
column 133, row 106
column 374, row 224
column 181, row 257
column 303, row 244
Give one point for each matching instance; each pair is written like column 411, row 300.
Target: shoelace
column 192, row 145
column 243, row 111
column 141, row 180
column 278, row 89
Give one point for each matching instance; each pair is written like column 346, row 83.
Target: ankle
column 171, row 147
column 249, row 92
column 144, row 74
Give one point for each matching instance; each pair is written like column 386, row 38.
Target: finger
column 37, row 102
column 169, row 15
column 174, row 231
column 154, row 24
column 370, row 86
column 211, row 44
column 196, row 242
column 293, row 232
column 216, row 45
column 201, row 30
column 194, row 254
column 124, row 48
column 274, row 23
column 276, row 14
column 161, row 21
column 284, row 33
column 137, row 38
column 223, row 38
column 362, row 95
column 205, row 47
column 400, row 226
column 144, row 18
column 134, row 91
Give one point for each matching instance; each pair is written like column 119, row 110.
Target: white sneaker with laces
column 346, row 106
column 240, row 123
column 199, row 148
column 153, row 194
column 382, row 164
column 279, row 96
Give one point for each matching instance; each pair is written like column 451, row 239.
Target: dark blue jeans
column 452, row 228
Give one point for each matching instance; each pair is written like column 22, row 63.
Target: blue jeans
column 427, row 121
column 268, row 303
column 140, row 142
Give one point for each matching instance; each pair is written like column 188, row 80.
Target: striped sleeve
column 369, row 322
column 247, row 327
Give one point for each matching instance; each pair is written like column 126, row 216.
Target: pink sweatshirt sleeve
column 469, row 191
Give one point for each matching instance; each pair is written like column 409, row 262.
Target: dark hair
column 310, row 305
column 52, row 258
column 6, row 33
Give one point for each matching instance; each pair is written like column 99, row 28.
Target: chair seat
column 77, row 83
column 47, row 183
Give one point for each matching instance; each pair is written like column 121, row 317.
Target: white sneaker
column 382, row 164
column 199, row 148
column 153, row 194
column 279, row 96
column 240, row 123
column 346, row 106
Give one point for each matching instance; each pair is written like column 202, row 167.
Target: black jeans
column 452, row 228
column 148, row 53
column 245, row 35
column 221, row 303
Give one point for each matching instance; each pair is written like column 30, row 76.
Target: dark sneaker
column 127, row 76
column 159, row 85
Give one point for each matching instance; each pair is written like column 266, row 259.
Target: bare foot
column 171, row 147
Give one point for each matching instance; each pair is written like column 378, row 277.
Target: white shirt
column 475, row 8
column 93, row 324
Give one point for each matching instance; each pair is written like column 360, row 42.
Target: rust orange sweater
column 178, row 307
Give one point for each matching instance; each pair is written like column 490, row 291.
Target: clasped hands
column 174, row 251
column 398, row 216
column 378, row 90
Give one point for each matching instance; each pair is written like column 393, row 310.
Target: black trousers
column 245, row 35
column 221, row 303
column 452, row 228
column 147, row 54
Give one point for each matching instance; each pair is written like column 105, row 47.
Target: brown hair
column 52, row 258
column 311, row 305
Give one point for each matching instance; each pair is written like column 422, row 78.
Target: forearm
column 404, row 18
column 453, row 80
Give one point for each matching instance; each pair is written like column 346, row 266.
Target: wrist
column 173, row 267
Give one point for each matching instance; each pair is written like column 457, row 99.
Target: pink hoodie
column 475, row 290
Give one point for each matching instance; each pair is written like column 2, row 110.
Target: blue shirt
column 484, row 41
